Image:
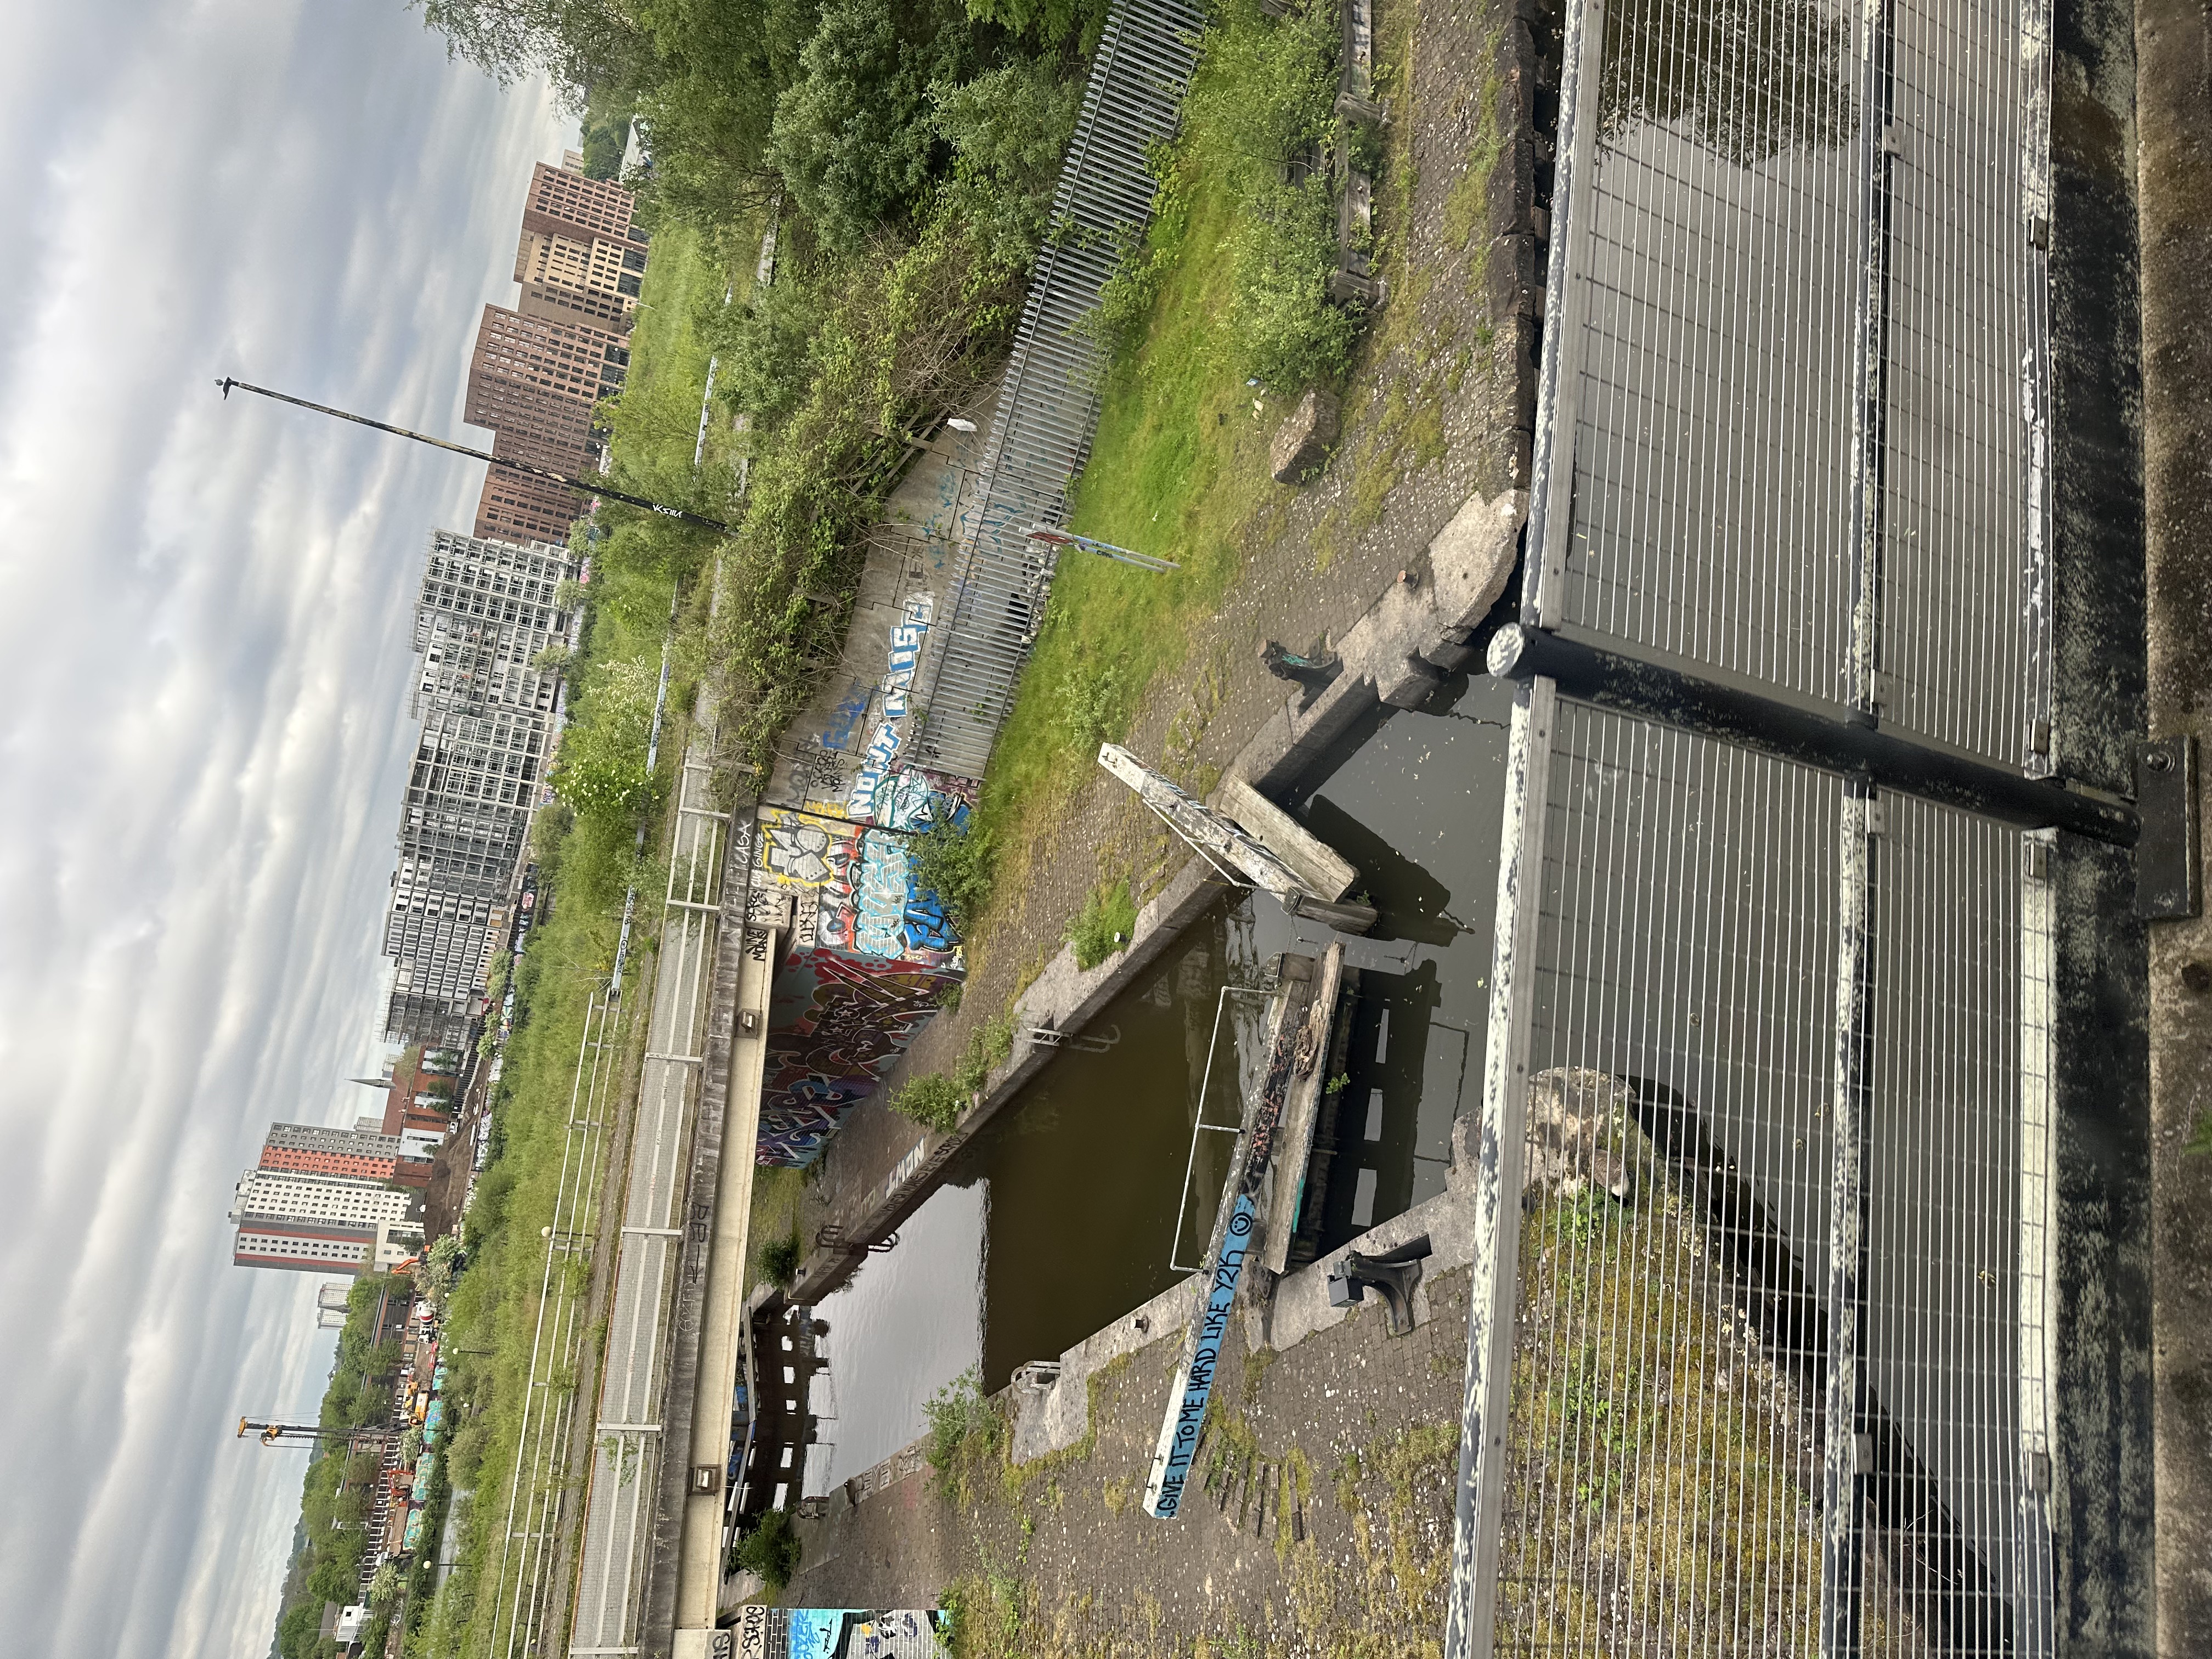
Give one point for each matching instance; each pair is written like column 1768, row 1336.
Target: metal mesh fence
column 1662, row 1437
column 1048, row 407
column 1797, row 341
column 1704, row 312
column 1767, row 1215
column 1942, row 1171
column 1954, row 520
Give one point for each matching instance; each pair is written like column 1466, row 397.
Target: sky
column 204, row 619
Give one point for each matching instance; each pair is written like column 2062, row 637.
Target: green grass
column 1179, row 469
column 586, row 860
column 1107, row 924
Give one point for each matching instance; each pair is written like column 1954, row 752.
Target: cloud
column 204, row 621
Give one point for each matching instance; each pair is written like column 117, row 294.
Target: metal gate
column 1759, row 1355
column 1048, row 407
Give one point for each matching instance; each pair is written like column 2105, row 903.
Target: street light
column 587, row 486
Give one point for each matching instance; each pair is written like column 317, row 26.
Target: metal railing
column 1759, row 1332
column 627, row 1451
column 538, row 1512
column 1048, row 407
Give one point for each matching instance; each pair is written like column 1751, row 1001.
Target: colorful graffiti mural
column 836, row 1024
column 839, row 1633
column 908, row 639
column 871, row 955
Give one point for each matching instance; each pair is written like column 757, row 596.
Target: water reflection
column 901, row 1328
column 1747, row 79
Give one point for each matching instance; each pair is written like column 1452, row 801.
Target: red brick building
column 538, row 369
column 353, row 1154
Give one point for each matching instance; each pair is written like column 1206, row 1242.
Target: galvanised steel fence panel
column 1952, row 545
column 1047, row 408
column 1793, row 391
column 1758, row 1349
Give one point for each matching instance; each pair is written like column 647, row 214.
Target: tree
column 1048, row 22
column 384, row 1585
column 579, row 43
column 852, row 138
column 1008, row 129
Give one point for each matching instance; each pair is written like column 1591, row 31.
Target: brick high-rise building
column 540, row 367
column 353, row 1154
column 516, row 508
column 290, row 1218
column 323, row 1247
column 564, row 201
column 535, row 382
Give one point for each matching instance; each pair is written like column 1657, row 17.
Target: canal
column 1062, row 1215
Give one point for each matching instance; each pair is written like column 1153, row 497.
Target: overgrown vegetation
column 779, row 1260
column 336, row 1500
column 1268, row 97
column 1229, row 284
column 770, row 1548
column 966, row 1432
column 955, row 861
column 937, row 1101
column 930, row 1100
column 907, row 150
column 1107, row 924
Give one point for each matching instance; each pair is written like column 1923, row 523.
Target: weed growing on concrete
column 989, row 1046
column 1107, row 922
column 932, row 1100
column 780, row 1260
column 965, row 1431
column 984, row 1613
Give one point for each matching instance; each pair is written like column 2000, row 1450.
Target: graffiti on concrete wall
column 908, row 638
column 839, row 1633
column 836, row 1024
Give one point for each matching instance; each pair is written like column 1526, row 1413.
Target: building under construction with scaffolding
column 488, row 701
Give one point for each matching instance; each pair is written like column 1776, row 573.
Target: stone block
column 1516, row 50
column 1519, row 339
column 1512, row 187
column 1519, row 457
column 1302, row 442
column 1516, row 278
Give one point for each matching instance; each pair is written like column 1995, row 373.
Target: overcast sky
column 203, row 641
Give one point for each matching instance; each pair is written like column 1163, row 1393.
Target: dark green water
column 1081, row 1178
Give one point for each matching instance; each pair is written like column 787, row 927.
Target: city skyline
column 210, row 610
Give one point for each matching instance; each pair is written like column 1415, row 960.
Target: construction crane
column 307, row 1434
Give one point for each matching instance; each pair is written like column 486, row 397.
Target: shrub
column 961, row 1422
column 1092, row 707
column 955, row 861
column 1048, row 22
column 852, row 138
column 770, row 1549
column 930, row 1100
column 780, row 1260
column 1267, row 100
column 1289, row 333
column 1107, row 922
column 1008, row 130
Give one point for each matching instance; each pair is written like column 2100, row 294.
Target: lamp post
column 587, row 486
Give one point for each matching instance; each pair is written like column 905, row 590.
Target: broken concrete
column 1303, row 440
